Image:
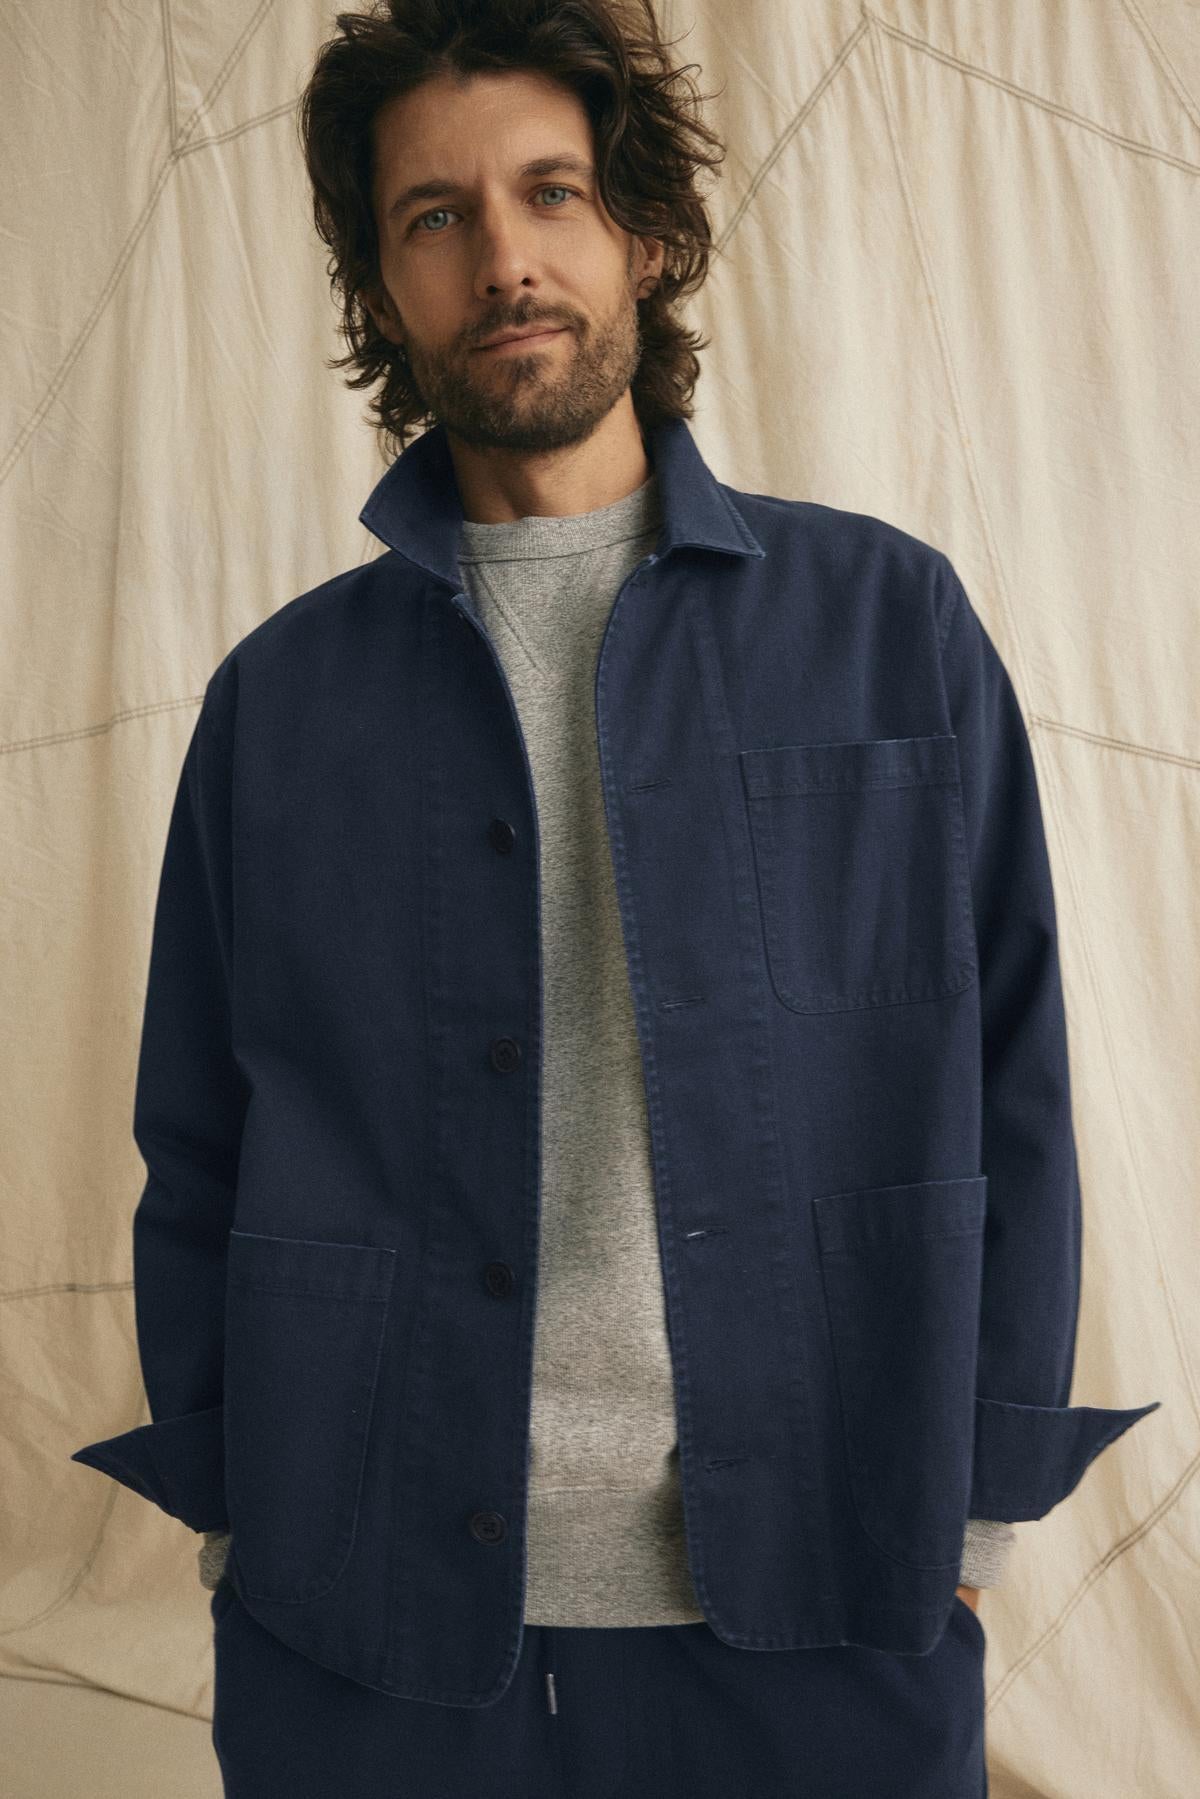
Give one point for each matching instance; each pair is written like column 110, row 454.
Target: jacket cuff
column 986, row 1548
column 179, row 1463
column 1029, row 1457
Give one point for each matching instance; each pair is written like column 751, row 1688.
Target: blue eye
column 429, row 215
column 553, row 188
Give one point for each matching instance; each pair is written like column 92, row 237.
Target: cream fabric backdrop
column 957, row 288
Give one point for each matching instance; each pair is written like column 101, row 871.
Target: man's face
column 503, row 250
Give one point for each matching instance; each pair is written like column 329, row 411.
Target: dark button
column 505, row 1054
column 489, row 1527
column 501, row 835
column 499, row 1279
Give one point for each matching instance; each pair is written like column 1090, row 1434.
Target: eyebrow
column 439, row 189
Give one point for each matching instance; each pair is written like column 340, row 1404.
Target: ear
column 651, row 255
column 378, row 303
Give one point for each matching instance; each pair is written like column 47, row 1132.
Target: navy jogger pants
column 661, row 1712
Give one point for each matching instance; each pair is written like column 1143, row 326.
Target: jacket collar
column 416, row 508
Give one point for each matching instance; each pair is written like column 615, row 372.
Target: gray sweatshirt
column 605, row 1520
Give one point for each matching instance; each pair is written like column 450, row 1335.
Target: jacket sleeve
column 189, row 1106
column 1031, row 1446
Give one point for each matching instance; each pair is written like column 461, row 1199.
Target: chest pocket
column 863, row 878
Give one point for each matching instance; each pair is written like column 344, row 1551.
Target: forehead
column 458, row 131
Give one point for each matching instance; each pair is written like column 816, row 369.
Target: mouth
column 532, row 341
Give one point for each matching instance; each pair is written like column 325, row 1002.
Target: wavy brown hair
column 650, row 144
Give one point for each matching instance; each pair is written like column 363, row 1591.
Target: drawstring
column 551, row 1700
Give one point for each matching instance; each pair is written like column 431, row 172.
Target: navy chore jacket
column 839, row 926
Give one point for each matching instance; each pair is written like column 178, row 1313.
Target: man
column 604, row 1063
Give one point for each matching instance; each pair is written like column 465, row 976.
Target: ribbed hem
column 604, row 1558
column 585, row 1544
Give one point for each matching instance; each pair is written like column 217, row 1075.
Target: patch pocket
column 901, row 1268
column 863, row 875
column 304, row 1325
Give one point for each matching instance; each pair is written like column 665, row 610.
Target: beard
column 546, row 398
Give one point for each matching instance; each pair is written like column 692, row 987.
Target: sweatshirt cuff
column 987, row 1545
column 212, row 1556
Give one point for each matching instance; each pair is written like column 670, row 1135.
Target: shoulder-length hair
column 650, row 145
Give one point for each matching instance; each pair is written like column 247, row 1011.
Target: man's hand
column 971, row 1595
